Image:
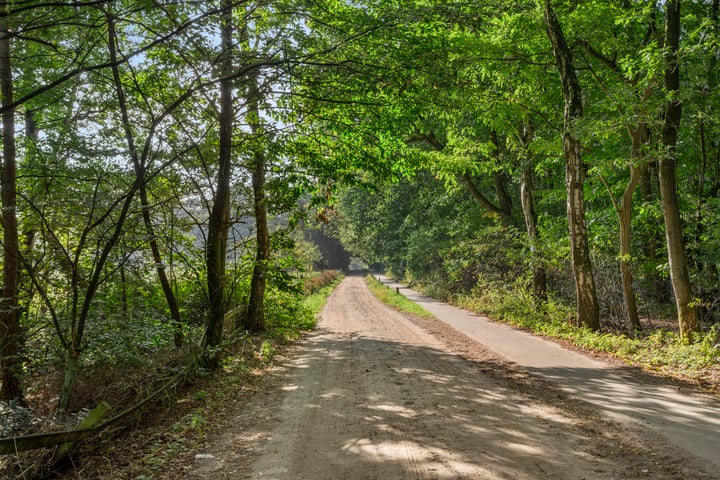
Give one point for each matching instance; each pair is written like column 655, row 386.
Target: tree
column 679, row 270
column 255, row 321
column 89, row 179
column 10, row 332
column 588, row 313
column 627, row 88
column 527, row 199
column 218, row 223
column 139, row 161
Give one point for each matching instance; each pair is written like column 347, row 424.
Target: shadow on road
column 365, row 408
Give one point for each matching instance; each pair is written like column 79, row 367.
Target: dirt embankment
column 372, row 394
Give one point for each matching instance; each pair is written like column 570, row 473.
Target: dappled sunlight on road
column 673, row 414
column 394, row 404
column 689, row 421
column 370, row 395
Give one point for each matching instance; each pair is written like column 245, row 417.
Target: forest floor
column 376, row 394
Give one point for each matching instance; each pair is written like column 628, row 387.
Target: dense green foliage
column 140, row 131
column 153, row 139
column 488, row 108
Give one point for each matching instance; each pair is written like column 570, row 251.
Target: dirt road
column 685, row 418
column 372, row 394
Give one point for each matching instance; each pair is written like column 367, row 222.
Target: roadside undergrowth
column 658, row 350
column 317, row 293
column 165, row 446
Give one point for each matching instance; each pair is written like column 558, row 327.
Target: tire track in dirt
column 372, row 395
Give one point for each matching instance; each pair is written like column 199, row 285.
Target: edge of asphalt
column 690, row 422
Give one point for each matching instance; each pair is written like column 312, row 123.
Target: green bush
column 286, row 314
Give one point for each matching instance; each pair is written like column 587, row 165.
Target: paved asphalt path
column 688, row 421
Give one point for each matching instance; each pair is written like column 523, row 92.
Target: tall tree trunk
column 679, row 271
column 255, row 320
column 139, row 166
column 10, row 333
column 170, row 297
column 219, row 215
column 504, row 201
column 539, row 277
column 624, row 213
column 588, row 312
column 639, row 137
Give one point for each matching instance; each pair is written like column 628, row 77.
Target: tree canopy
column 158, row 156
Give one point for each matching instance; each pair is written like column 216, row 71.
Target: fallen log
column 35, row 441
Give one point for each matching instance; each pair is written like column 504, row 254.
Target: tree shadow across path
column 370, row 395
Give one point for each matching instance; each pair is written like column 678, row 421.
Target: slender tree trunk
column 588, row 312
column 140, row 173
column 72, row 347
column 539, row 277
column 10, row 332
column 625, row 216
column 255, row 320
column 170, row 297
column 640, row 136
column 81, row 308
column 218, row 222
column 679, row 271
column 72, row 362
column 504, row 201
column 123, row 293
column 81, row 312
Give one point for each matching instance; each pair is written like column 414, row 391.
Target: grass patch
column 390, row 297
